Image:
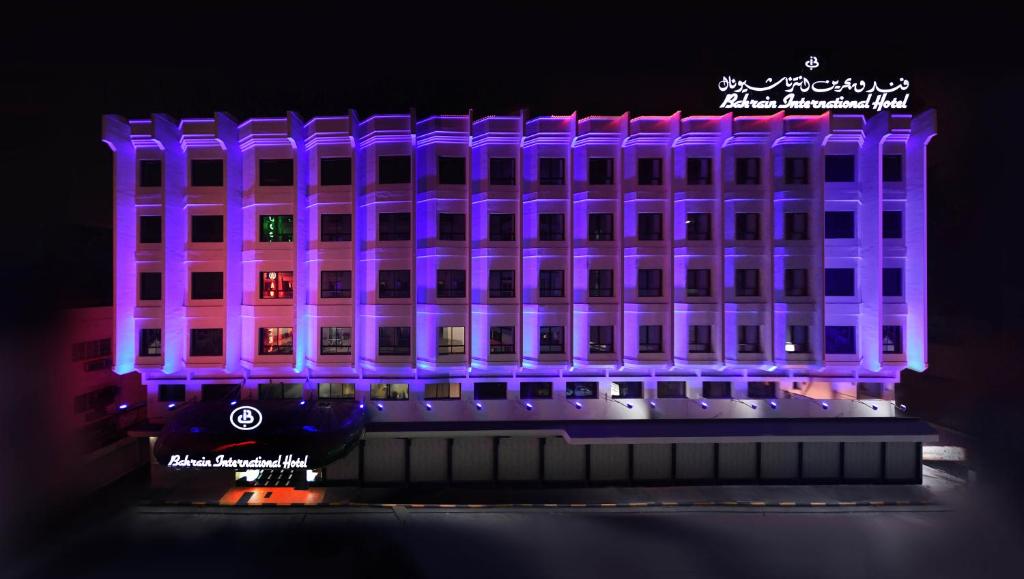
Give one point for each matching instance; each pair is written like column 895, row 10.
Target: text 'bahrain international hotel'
column 557, row 298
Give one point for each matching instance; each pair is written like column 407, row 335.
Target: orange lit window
column 276, row 285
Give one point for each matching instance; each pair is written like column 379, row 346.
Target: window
column 335, row 284
column 650, row 339
column 601, row 283
column 839, row 225
column 150, row 229
column 503, row 340
column 698, row 226
column 207, row 228
column 627, row 390
column 892, row 281
column 451, row 226
column 552, row 171
column 700, row 339
column 393, row 170
column 698, row 171
column 336, row 391
column 796, row 282
column 393, row 341
column 335, row 227
column 393, row 227
column 276, row 173
column 451, row 340
column 796, row 171
column 892, row 339
column 760, row 390
column 215, row 392
column 840, row 339
column 551, row 340
column 275, row 285
column 150, row 173
column 716, row 390
column 839, row 168
column 534, row 390
column 748, row 170
column 749, row 339
column 551, row 227
column 648, row 171
column 280, row 391
column 601, row 171
column 503, row 170
column 451, row 283
column 389, row 392
column 206, row 342
column 580, row 390
column 171, row 392
column 602, row 339
column 275, row 341
column 748, row 283
column 207, row 285
column 443, row 391
column 599, row 227
column 648, row 283
column 451, row 170
column 502, row 227
column 671, row 389
column 207, row 172
column 149, row 342
column 501, row 283
column 798, row 340
column 335, row 341
column 276, row 228
column 551, row 283
column 698, row 283
column 149, row 285
column 335, row 171
column 90, row 349
column 748, row 227
column 648, row 226
column 490, row 391
column 892, row 224
column 393, row 283
column 892, row 168
column 796, row 227
column 839, row 281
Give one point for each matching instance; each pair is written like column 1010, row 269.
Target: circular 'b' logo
column 245, row 418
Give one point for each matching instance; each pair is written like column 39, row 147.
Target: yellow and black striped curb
column 637, row 504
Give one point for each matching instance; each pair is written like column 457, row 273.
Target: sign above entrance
column 245, row 418
column 223, row 461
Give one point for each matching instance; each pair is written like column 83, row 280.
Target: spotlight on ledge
column 479, row 406
column 429, row 406
column 653, row 404
column 302, row 403
column 233, row 402
column 171, row 406
column 529, row 405
column 628, row 405
column 753, row 406
column 380, row 407
column 902, row 407
column 824, row 405
column 362, row 405
column 774, row 405
column 704, row 404
column 578, row 405
column 122, row 406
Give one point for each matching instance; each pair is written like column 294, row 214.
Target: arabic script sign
column 801, row 92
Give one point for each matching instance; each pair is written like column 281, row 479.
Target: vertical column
column 869, row 236
column 175, row 237
column 227, row 132
column 116, row 134
column 922, row 129
column 301, row 335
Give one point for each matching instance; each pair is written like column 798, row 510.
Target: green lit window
column 275, row 228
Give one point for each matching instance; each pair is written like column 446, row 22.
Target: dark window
column 150, row 173
column 206, row 342
column 335, row 284
column 276, row 228
column 451, row 340
column 149, row 285
column 502, row 227
column 700, row 339
column 892, row 224
column 207, row 228
column 280, row 391
column 799, row 340
column 90, row 349
column 671, row 389
column 796, row 228
column 601, row 281
column 335, row 227
column 389, row 392
column 552, row 171
column 551, row 283
column 892, row 168
column 627, row 390
column 648, row 226
column 551, row 340
column 171, row 392
column 839, row 281
column 336, row 171
column 490, row 391
column 839, row 224
column 443, row 391
column 760, row 389
column 533, row 390
column 796, row 170
column 600, row 227
column 207, row 285
column 393, row 283
column 503, row 340
column 276, row 285
column 275, row 341
column 503, row 170
column 796, row 282
column 840, row 339
column 336, row 390
column 216, row 392
column 393, row 341
column 716, row 390
column 892, row 281
column 581, row 390
column 748, row 283
column 551, row 227
column 501, row 283
column 207, row 172
column 451, row 283
column 451, row 226
column 451, row 170
column 748, row 226
column 698, row 171
column 602, row 339
column 749, row 339
column 698, row 226
column 392, row 170
column 277, row 172
column 892, row 339
column 648, row 283
column 650, row 339
column 748, row 170
column 648, row 171
column 601, row 171
column 698, row 283
column 149, row 229
column 840, row 168
column 149, row 342
column 393, row 227
column 335, row 341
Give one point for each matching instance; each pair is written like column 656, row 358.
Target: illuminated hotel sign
column 222, row 461
column 245, row 418
column 801, row 92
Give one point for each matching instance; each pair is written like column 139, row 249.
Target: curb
column 467, row 506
